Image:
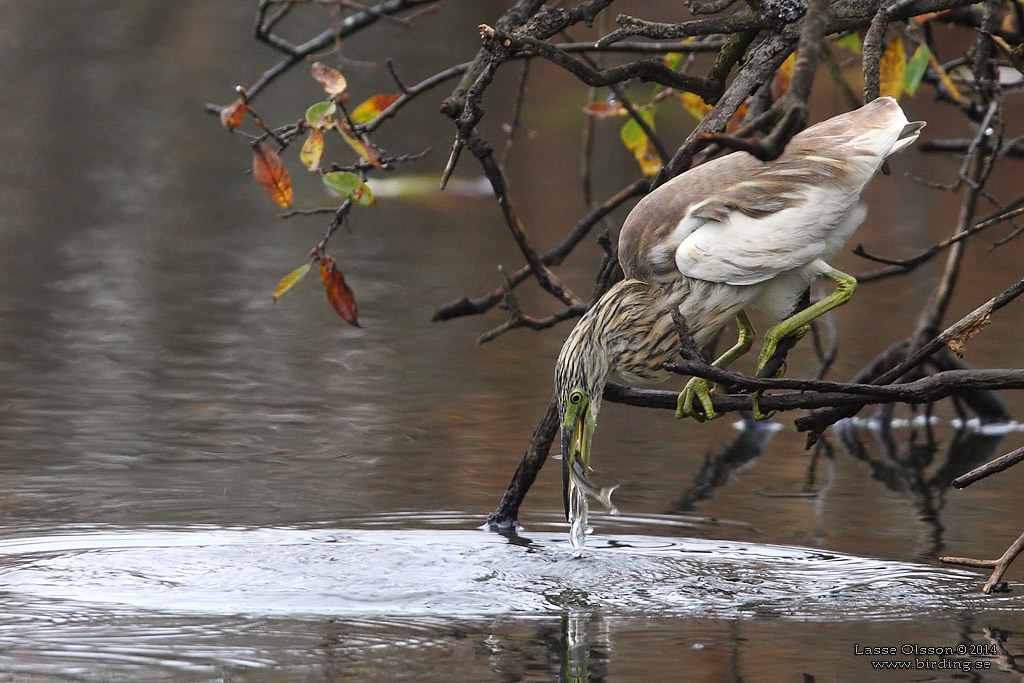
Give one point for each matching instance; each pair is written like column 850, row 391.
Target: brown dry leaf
column 783, row 75
column 338, row 293
column 891, row 68
column 958, row 343
column 331, row 79
column 361, row 148
column 232, row 115
column 371, row 108
column 312, row 149
column 604, row 110
column 269, row 171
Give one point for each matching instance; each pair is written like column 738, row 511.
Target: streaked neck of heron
column 583, row 363
column 612, row 336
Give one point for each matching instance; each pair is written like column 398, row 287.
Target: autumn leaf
column 269, row 172
column 891, row 68
column 361, row 148
column 331, row 79
column 371, row 108
column 320, row 115
column 348, row 185
column 637, row 142
column 946, row 80
column 232, row 115
column 672, row 60
column 290, row 280
column 338, row 293
column 959, row 343
column 783, row 75
column 916, row 68
column 695, row 104
column 604, row 110
column 312, row 149
column 737, row 118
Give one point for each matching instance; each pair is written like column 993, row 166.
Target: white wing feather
column 740, row 250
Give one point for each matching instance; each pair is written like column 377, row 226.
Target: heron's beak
column 577, row 432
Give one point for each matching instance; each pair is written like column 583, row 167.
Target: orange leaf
column 946, row 80
column 331, row 79
column 695, row 104
column 338, row 293
column 361, row 148
column 737, row 118
column 371, row 108
column 891, row 67
column 312, row 149
column 604, row 110
column 782, row 77
column 232, row 115
column 269, row 172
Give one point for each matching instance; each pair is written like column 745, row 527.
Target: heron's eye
column 575, row 397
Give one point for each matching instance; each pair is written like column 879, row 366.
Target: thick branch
column 933, row 388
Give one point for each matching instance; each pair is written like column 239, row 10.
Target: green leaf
column 320, row 114
column 916, row 68
column 348, row 185
column 851, row 42
column 289, row 280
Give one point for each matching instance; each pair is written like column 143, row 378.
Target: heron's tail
column 907, row 136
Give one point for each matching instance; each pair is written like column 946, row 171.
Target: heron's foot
column 758, row 415
column 696, row 393
column 771, row 342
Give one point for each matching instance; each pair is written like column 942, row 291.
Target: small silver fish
column 602, row 496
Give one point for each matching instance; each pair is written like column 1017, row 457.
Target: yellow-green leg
column 797, row 324
column 697, row 388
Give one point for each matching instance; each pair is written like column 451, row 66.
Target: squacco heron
column 730, row 235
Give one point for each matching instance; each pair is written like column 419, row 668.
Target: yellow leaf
column 891, row 68
column 695, row 104
column 269, row 171
column 637, row 142
column 371, row 108
column 331, row 79
column 289, row 280
column 361, row 148
column 312, row 149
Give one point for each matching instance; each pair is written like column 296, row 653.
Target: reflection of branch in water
column 903, row 466
column 1000, row 565
column 717, row 469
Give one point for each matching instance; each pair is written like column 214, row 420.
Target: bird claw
column 696, row 390
column 758, row 415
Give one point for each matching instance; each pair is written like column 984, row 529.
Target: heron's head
column 580, row 375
